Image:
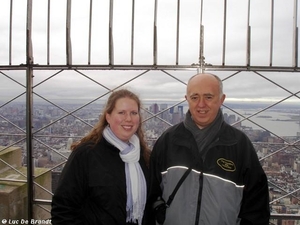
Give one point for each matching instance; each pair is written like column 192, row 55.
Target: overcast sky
column 152, row 85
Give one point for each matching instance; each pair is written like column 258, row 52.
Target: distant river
column 278, row 122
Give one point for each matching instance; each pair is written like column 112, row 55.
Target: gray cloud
column 154, row 84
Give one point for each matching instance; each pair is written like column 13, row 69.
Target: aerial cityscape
column 55, row 129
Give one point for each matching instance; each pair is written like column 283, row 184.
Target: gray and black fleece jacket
column 226, row 186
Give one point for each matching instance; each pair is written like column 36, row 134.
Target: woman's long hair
column 96, row 134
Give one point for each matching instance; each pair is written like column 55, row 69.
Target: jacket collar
column 226, row 136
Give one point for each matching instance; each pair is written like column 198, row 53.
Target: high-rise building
column 69, row 143
column 180, row 111
column 164, row 115
column 175, row 118
column 154, row 108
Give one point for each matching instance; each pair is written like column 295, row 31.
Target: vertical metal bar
column 248, row 54
column 10, row 30
column 90, row 32
column 177, row 34
column 48, row 34
column 295, row 36
column 68, row 34
column 155, row 35
column 296, row 46
column 248, row 45
column 111, row 44
column 132, row 31
column 201, row 41
column 202, row 58
column 29, row 85
column 224, row 32
column 272, row 33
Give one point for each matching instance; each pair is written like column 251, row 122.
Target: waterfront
column 277, row 122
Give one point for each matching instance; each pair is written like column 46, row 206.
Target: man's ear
column 223, row 98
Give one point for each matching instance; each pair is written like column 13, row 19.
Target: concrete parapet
column 13, row 187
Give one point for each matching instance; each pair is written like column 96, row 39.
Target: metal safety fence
column 59, row 61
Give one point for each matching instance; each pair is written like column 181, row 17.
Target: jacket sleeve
column 69, row 196
column 255, row 208
column 155, row 180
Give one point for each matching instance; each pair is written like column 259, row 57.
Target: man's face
column 203, row 96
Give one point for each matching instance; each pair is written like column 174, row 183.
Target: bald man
column 225, row 185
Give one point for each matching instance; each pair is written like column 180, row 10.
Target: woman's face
column 124, row 119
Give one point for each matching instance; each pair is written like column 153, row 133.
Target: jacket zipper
column 199, row 198
column 201, row 182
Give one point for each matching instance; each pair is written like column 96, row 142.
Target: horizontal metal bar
column 42, row 201
column 13, row 180
column 153, row 67
column 285, row 216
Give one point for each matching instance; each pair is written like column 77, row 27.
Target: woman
column 104, row 181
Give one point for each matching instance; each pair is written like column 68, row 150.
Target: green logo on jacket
column 226, row 164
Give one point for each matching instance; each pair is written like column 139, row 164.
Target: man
column 226, row 185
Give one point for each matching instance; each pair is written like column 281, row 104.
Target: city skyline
column 278, row 119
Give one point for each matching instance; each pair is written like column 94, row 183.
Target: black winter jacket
column 227, row 186
column 92, row 187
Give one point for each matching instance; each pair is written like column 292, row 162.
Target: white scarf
column 135, row 180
